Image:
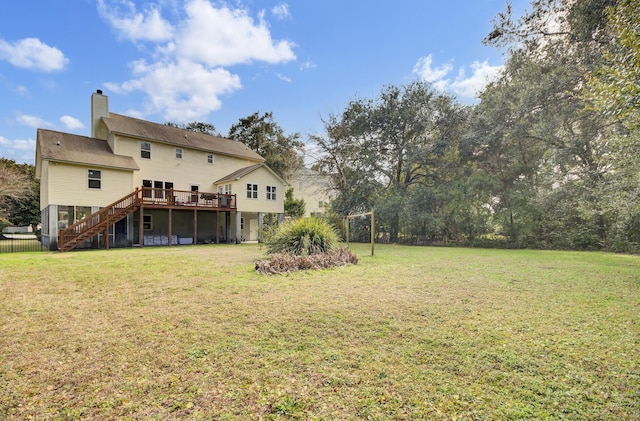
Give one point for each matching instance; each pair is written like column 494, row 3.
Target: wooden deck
column 140, row 199
column 153, row 198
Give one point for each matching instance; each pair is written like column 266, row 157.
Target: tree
column 294, row 208
column 19, row 194
column 538, row 137
column 261, row 133
column 196, row 126
column 14, row 182
column 615, row 86
column 379, row 150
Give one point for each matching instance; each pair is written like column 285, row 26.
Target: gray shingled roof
column 238, row 174
column 148, row 130
column 71, row 148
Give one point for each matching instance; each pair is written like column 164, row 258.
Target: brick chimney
column 99, row 109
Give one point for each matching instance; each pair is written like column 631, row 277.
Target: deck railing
column 170, row 197
column 101, row 220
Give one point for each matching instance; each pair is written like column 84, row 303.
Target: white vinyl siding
column 71, row 185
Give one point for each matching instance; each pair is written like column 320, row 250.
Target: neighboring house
column 314, row 189
column 136, row 183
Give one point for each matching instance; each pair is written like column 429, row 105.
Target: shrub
column 302, row 237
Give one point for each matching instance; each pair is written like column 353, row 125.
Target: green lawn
column 412, row 333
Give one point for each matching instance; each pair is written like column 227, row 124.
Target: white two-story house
column 137, row 183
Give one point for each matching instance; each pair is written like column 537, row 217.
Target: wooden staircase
column 100, row 221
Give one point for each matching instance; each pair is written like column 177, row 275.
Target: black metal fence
column 20, row 244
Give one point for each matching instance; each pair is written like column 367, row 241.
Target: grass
column 412, row 333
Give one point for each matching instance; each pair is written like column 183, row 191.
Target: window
column 210, row 158
column 145, row 150
column 82, row 212
column 147, row 222
column 179, row 153
column 158, row 192
column 252, row 191
column 194, row 193
column 65, row 216
column 271, row 192
column 146, row 192
column 227, row 189
column 241, row 223
column 94, row 177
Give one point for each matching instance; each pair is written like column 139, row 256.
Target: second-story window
column 95, row 179
column 145, row 150
column 271, row 192
column 178, row 153
column 252, row 191
column 210, row 158
column 227, row 189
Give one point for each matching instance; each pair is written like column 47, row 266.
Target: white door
column 253, row 230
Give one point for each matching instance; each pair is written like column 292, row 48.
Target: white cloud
column 424, row 69
column 284, row 78
column 225, row 37
column 71, row 123
column 307, row 65
column 20, row 150
column 188, row 73
column 32, row 121
column 21, row 90
column 136, row 26
column 180, row 90
column 281, row 11
column 464, row 86
column 31, row 53
column 482, row 74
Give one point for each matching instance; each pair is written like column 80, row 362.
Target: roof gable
column 142, row 129
column 74, row 149
column 238, row 174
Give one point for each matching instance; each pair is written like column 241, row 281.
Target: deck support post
column 195, row 226
column 260, row 226
column 238, row 227
column 141, row 226
column 170, row 223
column 216, row 228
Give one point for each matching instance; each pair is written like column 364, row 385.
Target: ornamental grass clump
column 304, row 244
column 302, row 237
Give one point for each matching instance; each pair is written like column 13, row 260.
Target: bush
column 302, row 237
column 283, row 262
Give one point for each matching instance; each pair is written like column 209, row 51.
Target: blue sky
column 202, row 60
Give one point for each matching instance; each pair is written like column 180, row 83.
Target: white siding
column 69, row 185
column 263, row 178
column 192, row 169
column 44, row 185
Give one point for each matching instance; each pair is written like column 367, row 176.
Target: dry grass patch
column 280, row 263
column 412, row 333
